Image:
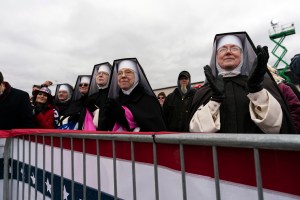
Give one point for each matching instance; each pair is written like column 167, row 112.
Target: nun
column 62, row 97
column 132, row 105
column 98, row 90
column 240, row 95
column 75, row 114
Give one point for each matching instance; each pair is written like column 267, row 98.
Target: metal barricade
column 27, row 147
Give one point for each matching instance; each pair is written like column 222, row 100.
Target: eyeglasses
column 160, row 97
column 233, row 49
column 83, row 84
column 126, row 72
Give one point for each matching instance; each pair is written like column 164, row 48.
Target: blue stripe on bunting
column 91, row 193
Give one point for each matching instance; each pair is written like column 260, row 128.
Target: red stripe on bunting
column 5, row 133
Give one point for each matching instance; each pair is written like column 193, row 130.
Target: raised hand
column 216, row 85
column 255, row 81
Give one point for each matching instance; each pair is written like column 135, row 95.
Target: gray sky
column 58, row 40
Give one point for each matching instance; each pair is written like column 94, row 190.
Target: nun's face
column 229, row 56
column 83, row 88
column 62, row 95
column 125, row 78
column 102, row 78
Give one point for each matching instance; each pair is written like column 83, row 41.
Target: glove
column 115, row 111
column 255, row 81
column 216, row 85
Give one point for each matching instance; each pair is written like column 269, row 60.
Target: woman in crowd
column 45, row 115
column 131, row 104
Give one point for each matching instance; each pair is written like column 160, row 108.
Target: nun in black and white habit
column 241, row 97
column 98, row 90
column 131, row 104
column 63, row 103
column 75, row 114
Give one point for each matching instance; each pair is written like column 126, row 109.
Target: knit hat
column 45, row 90
column 1, row 77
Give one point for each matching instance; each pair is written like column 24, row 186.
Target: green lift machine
column 277, row 34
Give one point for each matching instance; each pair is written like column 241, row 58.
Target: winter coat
column 47, row 118
column 292, row 102
column 15, row 109
column 145, row 109
column 176, row 109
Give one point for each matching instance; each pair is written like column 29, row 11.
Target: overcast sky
column 58, row 40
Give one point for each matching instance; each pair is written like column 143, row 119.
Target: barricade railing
column 24, row 169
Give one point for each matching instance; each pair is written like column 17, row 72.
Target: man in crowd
column 15, row 107
column 177, row 104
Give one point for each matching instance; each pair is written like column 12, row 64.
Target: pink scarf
column 131, row 122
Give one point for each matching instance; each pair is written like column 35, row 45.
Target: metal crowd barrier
column 252, row 141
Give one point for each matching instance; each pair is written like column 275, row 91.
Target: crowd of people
column 241, row 94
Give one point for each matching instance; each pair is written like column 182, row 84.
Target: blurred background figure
column 177, row 104
column 289, row 93
column 295, row 69
column 161, row 98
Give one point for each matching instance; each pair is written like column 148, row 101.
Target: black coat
column 176, row 109
column 62, row 107
column 234, row 110
column 145, row 109
column 76, row 112
column 97, row 100
column 15, row 109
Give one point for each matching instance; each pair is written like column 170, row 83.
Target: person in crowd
column 45, row 114
column 15, row 108
column 161, row 98
column 131, row 104
column 239, row 96
column 177, row 104
column 38, row 87
column 62, row 98
column 295, row 68
column 280, row 79
column 75, row 114
column 290, row 97
column 98, row 90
